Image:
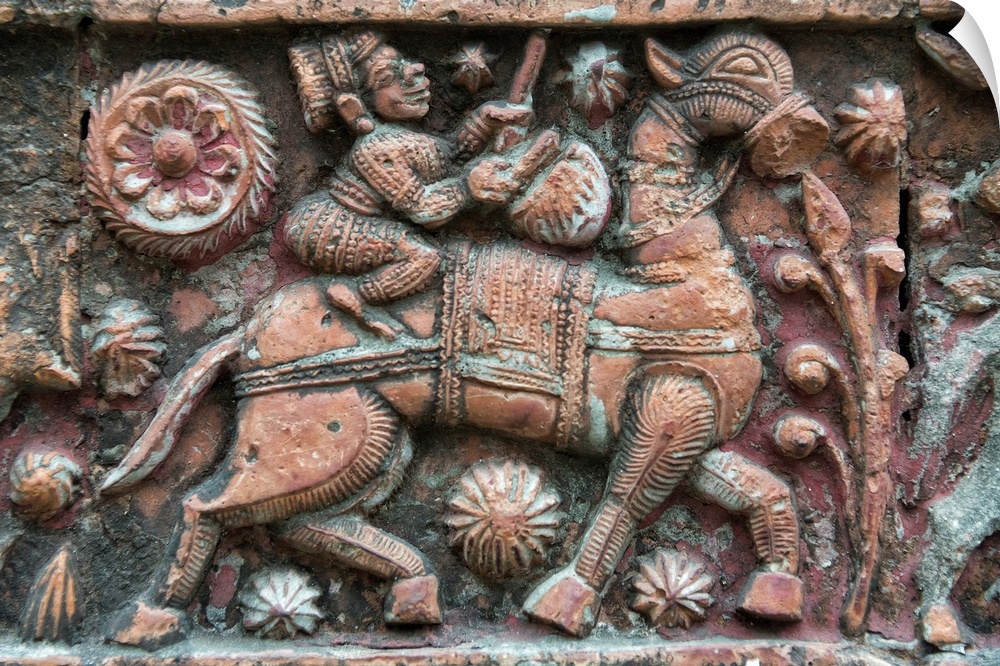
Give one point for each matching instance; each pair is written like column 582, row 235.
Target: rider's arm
column 386, row 166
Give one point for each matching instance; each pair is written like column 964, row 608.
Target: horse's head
column 740, row 84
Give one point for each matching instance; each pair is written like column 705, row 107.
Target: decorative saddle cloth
column 517, row 320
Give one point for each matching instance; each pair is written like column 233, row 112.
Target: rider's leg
column 774, row 591
column 668, row 422
column 414, row 265
column 408, row 269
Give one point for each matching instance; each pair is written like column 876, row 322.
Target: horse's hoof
column 565, row 602
column 147, row 627
column 772, row 595
column 414, row 600
column 940, row 627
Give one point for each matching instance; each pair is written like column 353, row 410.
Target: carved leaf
column 53, row 607
column 827, row 225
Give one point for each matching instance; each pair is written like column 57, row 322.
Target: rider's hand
column 490, row 181
column 504, row 114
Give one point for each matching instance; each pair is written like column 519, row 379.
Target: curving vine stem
column 866, row 405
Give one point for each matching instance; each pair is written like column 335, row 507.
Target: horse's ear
column 665, row 65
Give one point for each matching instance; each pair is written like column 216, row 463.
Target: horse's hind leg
column 667, row 424
column 774, row 591
column 353, row 542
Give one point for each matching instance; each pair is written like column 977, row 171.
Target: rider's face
column 399, row 88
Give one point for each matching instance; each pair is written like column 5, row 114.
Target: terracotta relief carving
column 53, row 608
column 43, row 484
column 596, row 341
column 179, row 159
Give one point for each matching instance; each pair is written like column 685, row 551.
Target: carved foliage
column 865, row 397
column 949, row 55
column 179, row 156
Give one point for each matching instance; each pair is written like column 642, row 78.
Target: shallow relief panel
column 642, row 343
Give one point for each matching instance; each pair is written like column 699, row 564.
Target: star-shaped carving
column 473, row 67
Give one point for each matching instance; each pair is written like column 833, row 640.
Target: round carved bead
column 793, row 272
column 43, row 484
column 178, row 157
column 503, row 517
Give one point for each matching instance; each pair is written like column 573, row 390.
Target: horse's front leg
column 774, row 591
column 668, row 422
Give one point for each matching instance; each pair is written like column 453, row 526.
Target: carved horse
column 654, row 368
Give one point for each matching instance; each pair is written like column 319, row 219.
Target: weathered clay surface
column 641, row 344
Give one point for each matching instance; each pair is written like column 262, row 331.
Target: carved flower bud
column 808, row 368
column 889, row 263
column 797, row 436
column 597, row 82
column 793, row 272
column 43, row 484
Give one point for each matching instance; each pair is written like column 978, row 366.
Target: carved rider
column 392, row 172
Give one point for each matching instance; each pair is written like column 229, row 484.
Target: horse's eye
column 744, row 65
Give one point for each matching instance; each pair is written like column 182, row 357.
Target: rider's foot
column 414, row 600
column 347, row 299
column 565, row 602
column 147, row 627
column 772, row 595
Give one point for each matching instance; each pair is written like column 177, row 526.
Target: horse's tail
column 183, row 395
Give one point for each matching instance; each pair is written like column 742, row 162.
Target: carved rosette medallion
column 672, row 589
column 279, row 603
column 503, row 518
column 179, row 156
